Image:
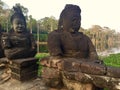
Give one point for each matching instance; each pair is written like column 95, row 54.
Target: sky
column 94, row 12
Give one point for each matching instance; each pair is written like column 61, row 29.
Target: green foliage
column 43, row 48
column 40, row 56
column 42, row 37
column 112, row 60
column 48, row 23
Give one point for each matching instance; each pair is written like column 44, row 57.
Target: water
column 109, row 51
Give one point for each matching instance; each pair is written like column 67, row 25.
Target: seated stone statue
column 18, row 42
column 67, row 41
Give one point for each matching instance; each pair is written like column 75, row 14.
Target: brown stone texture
column 78, row 76
column 76, row 85
column 78, row 71
column 24, row 69
column 113, row 72
column 52, row 77
column 107, row 82
column 50, row 73
column 93, row 68
column 24, row 77
column 52, row 62
column 71, row 64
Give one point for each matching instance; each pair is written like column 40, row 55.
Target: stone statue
column 18, row 42
column 1, row 49
column 67, row 41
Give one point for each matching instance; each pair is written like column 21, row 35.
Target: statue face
column 71, row 22
column 19, row 25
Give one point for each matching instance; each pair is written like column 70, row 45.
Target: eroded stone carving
column 68, row 43
column 18, row 43
column 20, row 48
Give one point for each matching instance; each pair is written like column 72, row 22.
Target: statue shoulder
column 84, row 35
column 54, row 33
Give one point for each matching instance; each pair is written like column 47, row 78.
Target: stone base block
column 24, row 69
column 22, row 63
column 24, row 77
column 52, row 77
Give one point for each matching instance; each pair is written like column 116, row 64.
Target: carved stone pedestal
column 24, row 69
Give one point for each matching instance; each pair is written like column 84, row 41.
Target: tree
column 48, row 24
column 4, row 16
column 32, row 24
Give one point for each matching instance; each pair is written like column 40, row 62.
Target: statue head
column 18, row 20
column 70, row 18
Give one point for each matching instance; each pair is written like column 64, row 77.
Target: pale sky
column 94, row 12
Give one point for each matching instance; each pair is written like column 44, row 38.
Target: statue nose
column 19, row 25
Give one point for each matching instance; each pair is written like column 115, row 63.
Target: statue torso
column 20, row 40
column 18, row 45
column 74, row 45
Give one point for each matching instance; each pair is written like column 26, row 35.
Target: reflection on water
column 109, row 51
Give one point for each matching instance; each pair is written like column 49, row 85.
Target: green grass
column 112, row 60
column 40, row 56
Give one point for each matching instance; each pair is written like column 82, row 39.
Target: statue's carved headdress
column 17, row 13
column 68, row 8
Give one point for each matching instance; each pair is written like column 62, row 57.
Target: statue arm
column 54, row 44
column 5, row 41
column 92, row 51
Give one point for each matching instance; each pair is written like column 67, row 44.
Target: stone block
column 71, row 65
column 22, row 63
column 93, row 68
column 50, row 73
column 77, row 76
column 52, row 77
column 24, row 70
column 113, row 72
column 76, row 85
column 24, row 77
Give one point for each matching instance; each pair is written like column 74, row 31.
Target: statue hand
column 5, row 42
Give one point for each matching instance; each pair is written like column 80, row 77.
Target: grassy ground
column 41, row 55
column 112, row 60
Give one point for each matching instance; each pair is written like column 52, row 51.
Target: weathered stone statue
column 1, row 49
column 68, row 44
column 20, row 48
column 18, row 43
column 67, row 41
